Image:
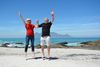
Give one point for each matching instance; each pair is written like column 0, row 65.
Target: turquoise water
column 71, row 41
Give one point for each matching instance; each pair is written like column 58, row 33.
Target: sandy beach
column 60, row 57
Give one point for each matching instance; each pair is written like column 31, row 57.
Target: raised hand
column 21, row 17
column 52, row 14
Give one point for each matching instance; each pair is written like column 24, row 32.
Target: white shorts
column 46, row 40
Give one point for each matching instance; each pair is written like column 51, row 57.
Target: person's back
column 29, row 29
column 46, row 28
column 29, row 33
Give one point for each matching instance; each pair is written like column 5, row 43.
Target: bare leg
column 48, row 48
column 42, row 49
column 26, row 55
column 33, row 54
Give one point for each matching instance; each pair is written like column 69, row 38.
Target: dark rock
column 57, row 45
column 62, row 43
column 85, row 42
column 5, row 44
column 19, row 43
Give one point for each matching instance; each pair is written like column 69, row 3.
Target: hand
column 36, row 26
column 52, row 13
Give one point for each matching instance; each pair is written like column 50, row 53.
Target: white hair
column 28, row 19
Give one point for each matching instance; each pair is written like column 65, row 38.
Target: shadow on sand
column 71, row 56
column 51, row 58
column 80, row 56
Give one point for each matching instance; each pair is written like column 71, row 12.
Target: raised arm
column 52, row 14
column 21, row 17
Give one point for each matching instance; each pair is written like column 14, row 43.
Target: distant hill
column 54, row 35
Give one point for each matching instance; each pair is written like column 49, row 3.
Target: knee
column 42, row 46
column 48, row 46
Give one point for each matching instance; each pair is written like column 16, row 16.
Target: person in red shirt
column 29, row 33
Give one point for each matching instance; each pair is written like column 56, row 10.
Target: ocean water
column 71, row 41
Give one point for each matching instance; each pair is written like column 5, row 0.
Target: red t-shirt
column 29, row 29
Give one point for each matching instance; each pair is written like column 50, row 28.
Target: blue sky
column 78, row 18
